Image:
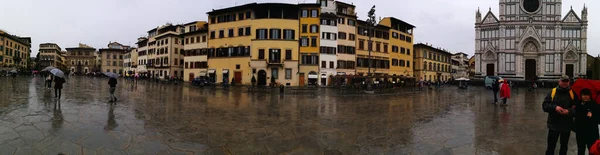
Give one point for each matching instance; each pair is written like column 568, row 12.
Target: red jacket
column 504, row 91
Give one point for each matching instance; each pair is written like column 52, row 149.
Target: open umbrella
column 58, row 73
column 592, row 85
column 13, row 71
column 49, row 68
column 111, row 74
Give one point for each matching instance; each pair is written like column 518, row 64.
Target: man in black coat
column 495, row 89
column 112, row 82
column 560, row 107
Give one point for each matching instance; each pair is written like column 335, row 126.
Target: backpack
column 554, row 93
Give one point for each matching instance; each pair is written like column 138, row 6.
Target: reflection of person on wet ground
column 110, row 122
column 560, row 107
column 57, row 117
column 587, row 118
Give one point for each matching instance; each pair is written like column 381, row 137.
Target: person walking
column 495, row 89
column 504, row 92
column 253, row 81
column 112, row 82
column 58, row 85
column 587, row 118
column 49, row 81
column 560, row 106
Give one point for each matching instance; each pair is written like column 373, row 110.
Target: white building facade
column 531, row 40
column 328, row 42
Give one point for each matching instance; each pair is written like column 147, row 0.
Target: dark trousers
column 585, row 141
column 504, row 101
column 57, row 93
column 553, row 138
column 49, row 83
column 495, row 96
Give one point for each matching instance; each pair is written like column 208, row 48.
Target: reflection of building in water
column 530, row 40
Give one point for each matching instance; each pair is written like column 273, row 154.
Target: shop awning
column 313, row 76
column 211, row 71
column 202, row 74
column 225, row 71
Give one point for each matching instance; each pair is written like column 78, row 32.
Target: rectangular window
column 341, row 35
column 331, row 64
column 304, row 28
column 288, row 73
column 378, row 47
column 261, row 33
column 351, row 22
column 275, row 34
column 314, row 28
column 352, row 37
column 288, row 54
column 230, row 34
column 407, row 51
column 304, row 41
column 402, row 50
column 304, row 13
column 240, row 31
column 221, row 33
column 274, row 73
column 323, row 64
column 549, row 63
column 289, row 34
column 261, row 54
column 385, row 48
column 361, row 45
column 212, row 34
column 314, row 13
column 313, row 41
column 510, row 62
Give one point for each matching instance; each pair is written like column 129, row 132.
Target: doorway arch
column 262, row 78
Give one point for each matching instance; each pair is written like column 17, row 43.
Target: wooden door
column 238, row 77
column 490, row 69
column 569, row 70
column 191, row 77
column 301, row 80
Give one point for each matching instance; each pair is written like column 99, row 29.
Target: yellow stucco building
column 309, row 44
column 432, row 64
column 14, row 50
column 401, row 44
column 267, row 49
column 195, row 50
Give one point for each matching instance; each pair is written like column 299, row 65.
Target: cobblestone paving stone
column 152, row 118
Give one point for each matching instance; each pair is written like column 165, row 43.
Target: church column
column 501, row 62
column 518, row 64
column 478, row 63
column 557, row 60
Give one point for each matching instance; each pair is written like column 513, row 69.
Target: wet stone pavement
column 152, row 118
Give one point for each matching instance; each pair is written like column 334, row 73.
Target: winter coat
column 58, row 82
column 562, row 98
column 504, row 90
column 584, row 124
column 495, row 86
column 112, row 82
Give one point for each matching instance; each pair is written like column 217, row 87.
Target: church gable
column 571, row 17
column 490, row 18
column 530, row 32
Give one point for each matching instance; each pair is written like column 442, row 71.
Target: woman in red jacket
column 504, row 92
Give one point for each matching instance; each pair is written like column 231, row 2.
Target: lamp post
column 371, row 23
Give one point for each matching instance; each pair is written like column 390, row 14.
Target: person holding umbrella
column 112, row 83
column 58, row 82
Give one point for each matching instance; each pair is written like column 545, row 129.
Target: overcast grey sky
column 444, row 23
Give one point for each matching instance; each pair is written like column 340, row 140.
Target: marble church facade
column 530, row 39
